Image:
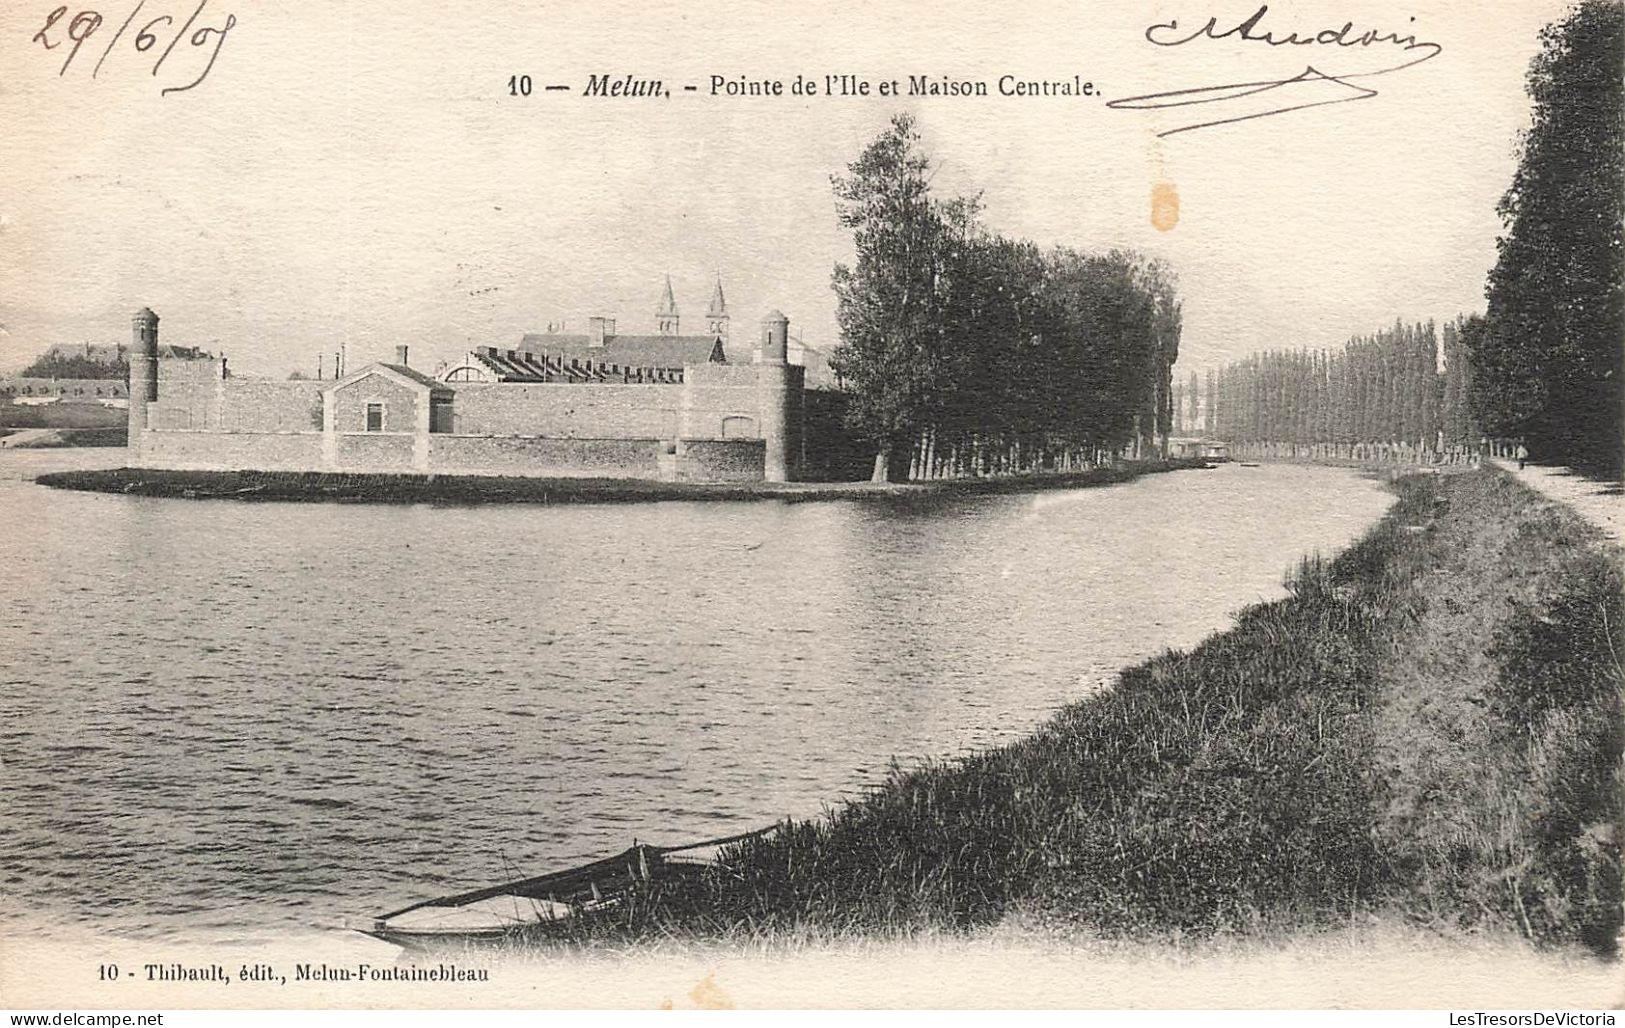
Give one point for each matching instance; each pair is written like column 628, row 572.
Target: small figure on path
column 1523, row 455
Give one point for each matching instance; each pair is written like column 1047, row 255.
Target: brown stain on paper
column 707, row 995
column 1164, row 206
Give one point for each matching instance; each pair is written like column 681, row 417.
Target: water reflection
column 225, row 718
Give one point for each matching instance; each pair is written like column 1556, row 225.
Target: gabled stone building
column 535, row 414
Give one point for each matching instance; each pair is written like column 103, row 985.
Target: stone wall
column 709, row 427
column 198, row 396
column 373, row 451
column 704, row 460
column 588, row 458
column 233, row 451
column 176, row 370
column 187, row 407
column 721, row 460
column 720, row 401
column 713, row 402
column 565, row 411
column 256, row 405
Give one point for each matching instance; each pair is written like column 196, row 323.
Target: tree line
column 56, row 365
column 1545, row 363
column 967, row 352
column 1384, row 388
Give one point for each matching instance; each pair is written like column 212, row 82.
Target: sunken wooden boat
column 548, row 905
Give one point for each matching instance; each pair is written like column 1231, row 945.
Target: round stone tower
column 778, row 398
column 143, row 374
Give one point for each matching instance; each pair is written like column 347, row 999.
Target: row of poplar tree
column 1382, row 388
column 1545, row 364
column 965, row 352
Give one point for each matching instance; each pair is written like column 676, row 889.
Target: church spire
column 716, row 317
column 666, row 314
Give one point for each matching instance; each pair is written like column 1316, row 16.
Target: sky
column 358, row 174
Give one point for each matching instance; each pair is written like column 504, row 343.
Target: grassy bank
column 70, row 414
column 60, row 438
column 1427, row 729
column 403, row 488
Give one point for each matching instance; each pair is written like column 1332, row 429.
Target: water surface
column 225, row 721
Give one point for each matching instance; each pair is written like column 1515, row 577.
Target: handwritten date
column 62, row 33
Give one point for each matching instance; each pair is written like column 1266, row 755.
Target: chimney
column 400, row 356
column 598, row 329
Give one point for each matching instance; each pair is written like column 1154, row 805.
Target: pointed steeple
column 666, row 313
column 716, row 316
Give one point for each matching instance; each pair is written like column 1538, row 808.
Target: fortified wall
column 712, row 423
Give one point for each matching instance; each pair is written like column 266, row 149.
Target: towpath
column 27, row 437
column 1598, row 501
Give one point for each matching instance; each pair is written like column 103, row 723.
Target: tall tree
column 966, row 350
column 1160, row 284
column 1193, row 422
column 1549, row 364
column 889, row 354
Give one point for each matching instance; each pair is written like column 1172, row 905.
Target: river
column 226, row 721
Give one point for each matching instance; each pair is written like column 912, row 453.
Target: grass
column 74, row 437
column 302, row 486
column 63, row 414
column 1426, row 730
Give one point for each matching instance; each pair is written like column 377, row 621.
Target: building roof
column 405, row 375
column 418, row 377
column 654, row 351
column 537, row 366
column 113, row 353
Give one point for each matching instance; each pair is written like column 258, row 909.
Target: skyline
column 405, row 198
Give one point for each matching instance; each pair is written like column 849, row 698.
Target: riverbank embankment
column 400, row 488
column 1426, row 731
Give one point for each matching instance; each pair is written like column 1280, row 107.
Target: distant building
column 550, row 356
column 79, row 373
column 676, row 411
column 716, row 315
column 819, row 374
column 1209, row 449
column 113, row 355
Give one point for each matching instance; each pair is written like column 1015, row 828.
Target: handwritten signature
column 78, row 30
column 1243, row 101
